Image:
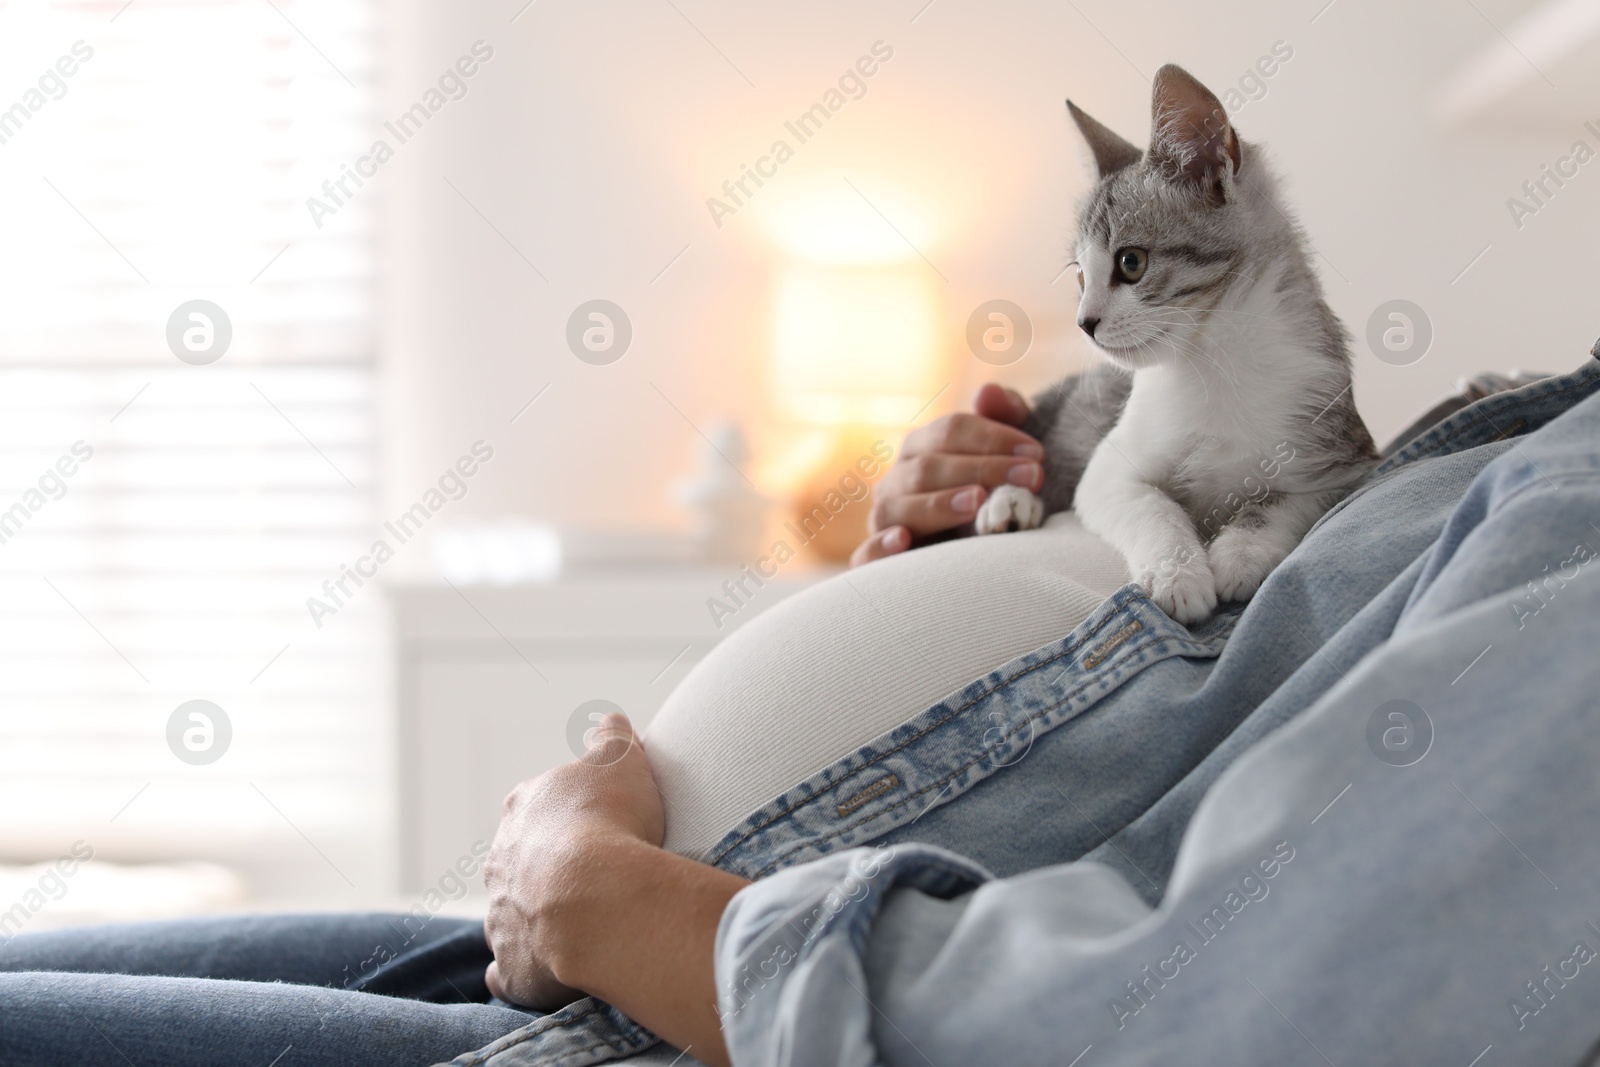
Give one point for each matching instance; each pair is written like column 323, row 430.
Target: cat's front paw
column 1188, row 598
column 1241, row 559
column 1010, row 507
column 1183, row 586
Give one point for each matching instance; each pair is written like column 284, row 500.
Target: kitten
column 1236, row 430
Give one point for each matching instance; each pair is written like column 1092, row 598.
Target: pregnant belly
column 824, row 672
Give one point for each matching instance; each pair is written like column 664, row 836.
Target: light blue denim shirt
column 1097, row 854
column 1407, row 870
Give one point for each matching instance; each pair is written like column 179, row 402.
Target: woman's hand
column 582, row 898
column 946, row 470
column 551, row 828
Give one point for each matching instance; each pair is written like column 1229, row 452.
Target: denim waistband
column 976, row 732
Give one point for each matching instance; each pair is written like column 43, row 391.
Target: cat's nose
column 1088, row 326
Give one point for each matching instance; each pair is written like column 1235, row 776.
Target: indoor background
column 577, row 341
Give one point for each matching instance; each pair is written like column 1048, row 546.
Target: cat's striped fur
column 1237, row 430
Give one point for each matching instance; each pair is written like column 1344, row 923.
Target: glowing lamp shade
column 856, row 345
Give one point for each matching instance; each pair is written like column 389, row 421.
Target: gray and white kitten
column 1236, row 430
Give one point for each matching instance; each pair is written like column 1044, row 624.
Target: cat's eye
column 1081, row 283
column 1131, row 263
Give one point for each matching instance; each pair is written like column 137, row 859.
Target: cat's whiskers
column 1225, row 371
column 1239, row 331
column 1208, row 366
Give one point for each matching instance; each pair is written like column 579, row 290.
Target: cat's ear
column 1111, row 152
column 1191, row 138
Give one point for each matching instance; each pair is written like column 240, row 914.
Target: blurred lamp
column 856, row 346
column 856, row 355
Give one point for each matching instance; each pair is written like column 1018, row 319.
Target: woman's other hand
column 946, row 470
column 550, row 826
column 582, row 898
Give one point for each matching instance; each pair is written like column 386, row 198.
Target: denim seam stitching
column 942, row 782
column 1064, row 653
column 603, row 1046
column 1471, row 419
column 582, row 1017
column 1511, row 431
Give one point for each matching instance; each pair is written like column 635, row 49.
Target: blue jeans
column 244, row 990
column 1293, row 832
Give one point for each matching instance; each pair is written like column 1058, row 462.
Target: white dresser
column 489, row 678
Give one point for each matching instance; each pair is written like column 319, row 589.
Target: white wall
column 598, row 130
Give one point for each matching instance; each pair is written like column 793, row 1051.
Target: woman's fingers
column 946, row 469
column 971, row 435
column 888, row 542
column 926, row 495
column 1001, row 404
column 538, row 988
column 925, row 474
column 609, row 742
column 930, row 513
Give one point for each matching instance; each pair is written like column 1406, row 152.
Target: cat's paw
column 1183, row 586
column 1010, row 507
column 1189, row 597
column 1241, row 559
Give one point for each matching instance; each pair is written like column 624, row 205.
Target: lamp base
column 828, row 513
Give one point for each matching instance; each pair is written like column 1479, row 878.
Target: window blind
column 205, row 502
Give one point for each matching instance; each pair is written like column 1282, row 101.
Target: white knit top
column 825, row 671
